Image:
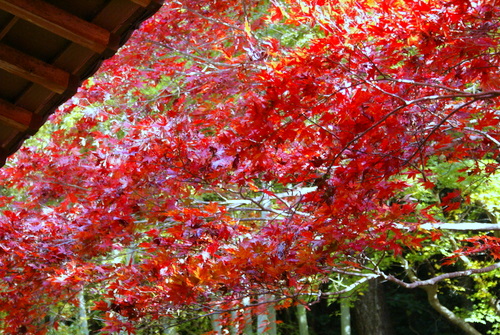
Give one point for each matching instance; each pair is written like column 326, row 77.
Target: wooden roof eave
column 50, row 82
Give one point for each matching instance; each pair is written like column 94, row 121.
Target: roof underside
column 47, row 48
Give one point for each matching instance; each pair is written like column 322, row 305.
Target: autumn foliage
column 239, row 148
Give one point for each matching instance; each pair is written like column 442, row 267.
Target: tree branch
column 469, row 226
column 433, row 299
column 433, row 281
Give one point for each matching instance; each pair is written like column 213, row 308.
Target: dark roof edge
column 134, row 23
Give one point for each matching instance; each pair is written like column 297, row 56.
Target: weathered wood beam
column 15, row 116
column 142, row 3
column 146, row 3
column 32, row 69
column 8, row 26
column 60, row 22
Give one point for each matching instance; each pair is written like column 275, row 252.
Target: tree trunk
column 216, row 324
column 266, row 322
column 370, row 312
column 345, row 317
column 234, row 325
column 302, row 319
column 247, row 318
column 82, row 313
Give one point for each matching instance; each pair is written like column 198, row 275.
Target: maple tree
column 240, row 149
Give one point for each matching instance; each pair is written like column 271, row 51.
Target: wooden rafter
column 142, row 3
column 15, row 116
column 32, row 69
column 59, row 22
column 7, row 27
column 47, row 51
